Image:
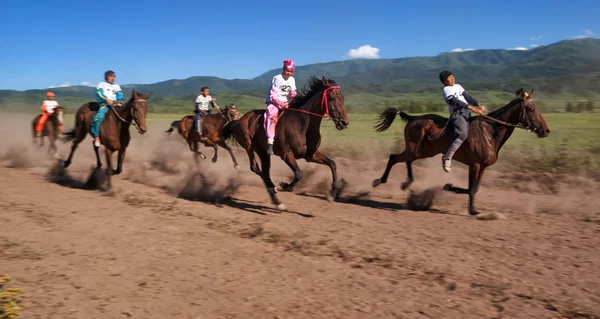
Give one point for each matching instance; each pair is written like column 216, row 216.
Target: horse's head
column 139, row 110
column 333, row 103
column 231, row 113
column 531, row 117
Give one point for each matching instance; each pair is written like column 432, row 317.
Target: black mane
column 314, row 85
column 497, row 113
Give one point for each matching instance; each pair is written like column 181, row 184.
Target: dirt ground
column 152, row 248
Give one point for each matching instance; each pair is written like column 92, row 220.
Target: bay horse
column 297, row 135
column 212, row 126
column 114, row 130
column 50, row 129
column 428, row 135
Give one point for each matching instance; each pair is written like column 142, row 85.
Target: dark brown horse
column 114, row 130
column 427, row 135
column 297, row 133
column 212, row 126
column 51, row 129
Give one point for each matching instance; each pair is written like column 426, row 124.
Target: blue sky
column 49, row 43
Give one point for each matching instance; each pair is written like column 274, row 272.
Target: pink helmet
column 289, row 65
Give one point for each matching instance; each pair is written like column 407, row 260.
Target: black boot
column 270, row 149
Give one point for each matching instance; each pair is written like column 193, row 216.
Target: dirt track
column 141, row 252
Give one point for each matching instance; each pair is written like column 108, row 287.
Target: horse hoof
column 202, row 156
column 214, row 160
column 286, row 187
column 405, row 185
column 474, row 213
column 117, row 171
column 280, row 206
column 377, row 182
column 66, row 164
column 236, row 166
column 448, row 187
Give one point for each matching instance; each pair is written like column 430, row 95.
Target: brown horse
column 51, row 129
column 297, row 133
column 114, row 131
column 428, row 135
column 212, row 126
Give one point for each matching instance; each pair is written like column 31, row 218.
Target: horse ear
column 325, row 82
column 531, row 94
column 134, row 94
column 147, row 96
column 521, row 93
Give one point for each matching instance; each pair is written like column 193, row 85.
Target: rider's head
column 205, row 90
column 110, row 76
column 50, row 96
column 288, row 68
column 447, row 78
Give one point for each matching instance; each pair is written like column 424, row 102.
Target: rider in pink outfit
column 282, row 85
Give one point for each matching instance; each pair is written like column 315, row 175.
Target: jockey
column 201, row 109
column 107, row 93
column 48, row 108
column 460, row 102
column 282, row 85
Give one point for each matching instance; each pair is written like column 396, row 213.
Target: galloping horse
column 50, row 128
column 212, row 126
column 114, row 131
column 428, row 135
column 297, row 133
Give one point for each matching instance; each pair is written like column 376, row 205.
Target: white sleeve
column 198, row 99
column 448, row 92
column 292, row 84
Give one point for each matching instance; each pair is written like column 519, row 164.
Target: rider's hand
column 483, row 107
column 110, row 102
column 284, row 106
column 478, row 111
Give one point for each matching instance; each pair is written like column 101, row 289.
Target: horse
column 428, row 135
column 212, row 126
column 297, row 135
column 51, row 128
column 114, row 130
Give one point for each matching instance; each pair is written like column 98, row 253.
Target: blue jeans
column 460, row 120
column 98, row 118
column 198, row 121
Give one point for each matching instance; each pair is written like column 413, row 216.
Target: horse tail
column 228, row 131
column 174, row 125
column 68, row 136
column 386, row 118
column 405, row 117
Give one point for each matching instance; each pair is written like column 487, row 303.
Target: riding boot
column 270, row 149
column 447, row 158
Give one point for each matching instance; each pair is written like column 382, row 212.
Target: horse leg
column 225, row 146
column 394, row 159
column 79, row 136
column 109, row 170
column 215, row 157
column 320, row 158
column 196, row 149
column 252, row 159
column 98, row 161
column 265, row 160
column 475, row 175
column 120, row 160
column 290, row 160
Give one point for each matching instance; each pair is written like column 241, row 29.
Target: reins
column 324, row 101
column 130, row 111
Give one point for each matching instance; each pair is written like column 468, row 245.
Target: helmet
column 50, row 94
column 289, row 65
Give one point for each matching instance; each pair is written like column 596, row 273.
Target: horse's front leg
column 290, row 160
column 320, row 158
column 109, row 170
column 120, row 160
column 225, row 146
column 98, row 161
column 475, row 175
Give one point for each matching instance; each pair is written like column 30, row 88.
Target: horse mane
column 499, row 112
column 306, row 93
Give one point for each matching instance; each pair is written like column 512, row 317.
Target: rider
column 48, row 107
column 460, row 102
column 107, row 94
column 202, row 109
column 282, row 85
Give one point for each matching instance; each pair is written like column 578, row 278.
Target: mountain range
column 569, row 65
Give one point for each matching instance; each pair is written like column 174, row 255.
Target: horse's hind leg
column 225, row 146
column 109, row 170
column 393, row 160
column 79, row 136
column 215, row 157
column 265, row 161
column 290, row 160
column 320, row 158
column 120, row 160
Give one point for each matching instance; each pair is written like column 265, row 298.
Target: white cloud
column 364, row 52
column 587, row 33
column 518, row 48
column 461, row 50
column 66, row 84
column 534, row 45
column 86, row 83
column 539, row 37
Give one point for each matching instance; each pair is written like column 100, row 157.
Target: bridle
column 131, row 113
column 324, row 102
column 523, row 105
